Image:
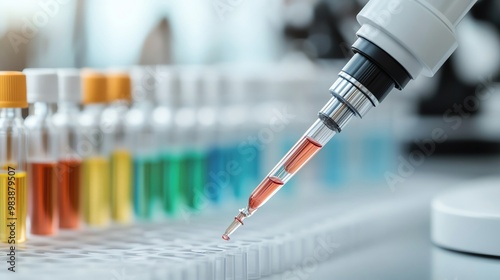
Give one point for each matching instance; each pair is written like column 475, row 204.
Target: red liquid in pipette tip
column 305, row 150
column 264, row 191
column 297, row 157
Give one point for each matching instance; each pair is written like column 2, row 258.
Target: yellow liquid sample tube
column 95, row 191
column 121, row 186
column 13, row 206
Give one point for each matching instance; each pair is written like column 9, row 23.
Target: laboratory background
column 151, row 122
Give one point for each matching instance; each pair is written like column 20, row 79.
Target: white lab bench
column 408, row 253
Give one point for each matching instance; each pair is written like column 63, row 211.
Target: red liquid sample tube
column 43, row 198
column 263, row 192
column 69, row 172
column 305, row 150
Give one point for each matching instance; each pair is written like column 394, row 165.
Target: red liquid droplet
column 264, row 191
column 225, row 237
column 301, row 153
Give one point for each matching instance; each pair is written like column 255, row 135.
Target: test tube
column 13, row 188
column 167, row 96
column 234, row 126
column 69, row 166
column 144, row 144
column 117, row 145
column 42, row 89
column 95, row 179
column 189, row 136
column 256, row 99
column 212, row 119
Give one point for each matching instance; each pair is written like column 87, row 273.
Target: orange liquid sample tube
column 69, row 175
column 43, row 184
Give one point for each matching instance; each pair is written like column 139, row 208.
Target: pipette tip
column 237, row 222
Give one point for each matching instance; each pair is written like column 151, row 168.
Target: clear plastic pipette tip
column 237, row 222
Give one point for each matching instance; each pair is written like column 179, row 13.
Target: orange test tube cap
column 94, row 87
column 13, row 90
column 119, row 87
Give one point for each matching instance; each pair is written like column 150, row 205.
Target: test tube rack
column 284, row 240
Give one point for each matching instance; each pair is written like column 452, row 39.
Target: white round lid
column 191, row 85
column 167, row 84
column 70, row 85
column 144, row 83
column 468, row 219
column 41, row 85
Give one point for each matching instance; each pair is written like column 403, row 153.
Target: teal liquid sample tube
column 171, row 183
column 147, row 178
column 194, row 172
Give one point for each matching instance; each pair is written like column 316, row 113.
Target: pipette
column 388, row 54
column 314, row 139
column 332, row 118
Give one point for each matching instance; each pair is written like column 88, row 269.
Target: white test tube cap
column 211, row 85
column 167, row 84
column 41, row 85
column 191, row 84
column 70, row 89
column 144, row 82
